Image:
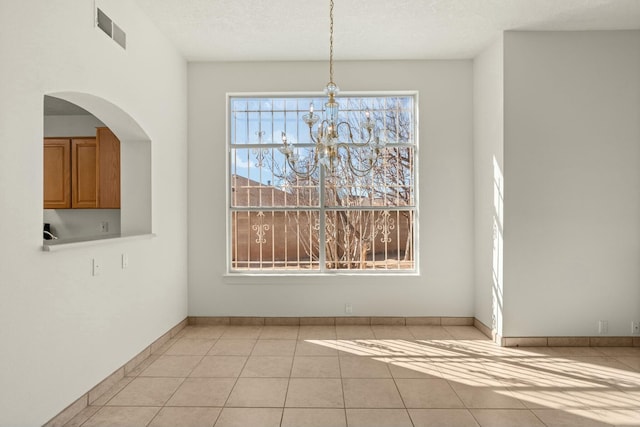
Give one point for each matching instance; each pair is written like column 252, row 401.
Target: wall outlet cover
column 603, row 327
column 95, row 267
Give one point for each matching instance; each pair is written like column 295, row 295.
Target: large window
column 281, row 222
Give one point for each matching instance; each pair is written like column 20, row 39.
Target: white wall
column 488, row 121
column 82, row 224
column 62, row 329
column 572, row 170
column 63, row 126
column 445, row 285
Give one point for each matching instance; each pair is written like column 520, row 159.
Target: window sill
column 64, row 244
column 277, row 277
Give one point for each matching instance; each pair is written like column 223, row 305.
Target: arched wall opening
column 135, row 217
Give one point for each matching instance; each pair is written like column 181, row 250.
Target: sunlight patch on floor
column 595, row 386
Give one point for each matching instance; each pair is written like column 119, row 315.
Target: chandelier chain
column 331, row 151
column 331, row 41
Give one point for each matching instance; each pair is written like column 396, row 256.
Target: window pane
column 297, row 215
column 389, row 183
column 274, row 240
column 260, row 178
column 369, row 240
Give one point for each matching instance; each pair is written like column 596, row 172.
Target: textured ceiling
column 247, row 30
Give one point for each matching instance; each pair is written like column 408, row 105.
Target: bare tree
column 353, row 236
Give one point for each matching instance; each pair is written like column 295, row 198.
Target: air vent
column 119, row 36
column 105, row 23
column 111, row 29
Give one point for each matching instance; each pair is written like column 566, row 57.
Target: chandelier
column 333, row 149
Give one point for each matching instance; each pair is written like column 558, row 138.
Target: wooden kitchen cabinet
column 57, row 174
column 82, row 173
column 108, row 169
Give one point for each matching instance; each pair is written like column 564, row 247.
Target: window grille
column 284, row 223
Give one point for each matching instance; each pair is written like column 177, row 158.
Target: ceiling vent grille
column 111, row 29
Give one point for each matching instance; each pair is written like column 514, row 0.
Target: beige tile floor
column 369, row 376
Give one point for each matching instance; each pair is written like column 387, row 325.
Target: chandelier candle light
column 327, row 138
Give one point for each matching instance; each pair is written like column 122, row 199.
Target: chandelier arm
column 302, row 174
column 356, row 171
column 355, row 143
column 327, row 135
column 313, row 138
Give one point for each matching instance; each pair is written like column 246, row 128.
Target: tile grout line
column 537, row 417
column 177, row 337
column 184, row 380
column 480, row 356
column 286, row 394
column 344, row 398
column 169, row 335
column 234, row 383
column 472, row 414
column 237, row 378
column 400, row 395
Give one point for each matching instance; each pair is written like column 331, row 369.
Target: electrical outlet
column 635, row 328
column 348, row 309
column 603, row 327
column 104, row 227
column 125, row 261
column 95, row 267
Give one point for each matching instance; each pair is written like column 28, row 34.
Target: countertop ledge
column 61, row 244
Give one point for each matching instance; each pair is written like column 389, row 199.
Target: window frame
column 321, row 209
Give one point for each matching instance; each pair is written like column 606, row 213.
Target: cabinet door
column 108, row 169
column 57, row 173
column 84, row 184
